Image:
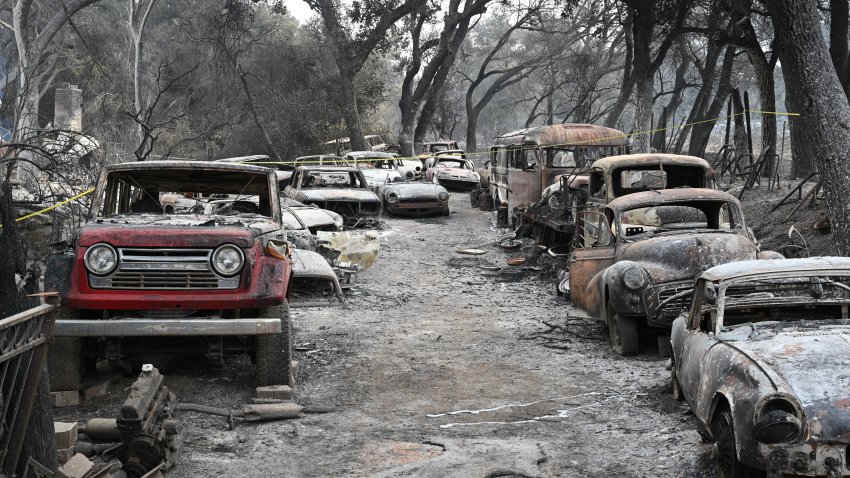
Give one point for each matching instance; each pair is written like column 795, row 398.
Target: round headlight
column 634, row 277
column 392, row 198
column 101, row 259
column 778, row 421
column 409, row 174
column 444, row 196
column 227, row 260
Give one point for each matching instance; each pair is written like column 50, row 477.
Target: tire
column 623, row 333
column 64, row 358
column 445, row 212
column 273, row 353
column 726, row 464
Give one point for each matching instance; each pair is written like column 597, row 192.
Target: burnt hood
column 676, row 257
column 811, row 365
column 158, row 230
column 413, row 190
column 338, row 194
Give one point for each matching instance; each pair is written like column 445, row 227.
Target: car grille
column 164, row 269
column 677, row 306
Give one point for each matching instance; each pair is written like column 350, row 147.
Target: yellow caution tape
column 50, row 208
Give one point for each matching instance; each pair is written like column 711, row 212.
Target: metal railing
column 23, row 351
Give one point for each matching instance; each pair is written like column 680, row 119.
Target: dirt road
column 439, row 368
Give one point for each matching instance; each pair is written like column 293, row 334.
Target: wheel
column 726, row 464
column 623, row 332
column 273, row 353
column 445, row 212
column 64, row 358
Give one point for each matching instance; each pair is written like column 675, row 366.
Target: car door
column 691, row 348
column 594, row 250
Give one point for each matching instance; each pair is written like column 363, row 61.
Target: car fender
column 622, row 299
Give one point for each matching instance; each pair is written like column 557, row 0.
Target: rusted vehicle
column 632, row 259
column 429, row 160
column 525, row 162
column 761, row 358
column 609, row 178
column 343, row 190
column 414, row 199
column 410, row 170
column 431, row 147
column 453, row 172
column 139, row 282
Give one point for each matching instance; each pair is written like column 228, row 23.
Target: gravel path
column 441, row 368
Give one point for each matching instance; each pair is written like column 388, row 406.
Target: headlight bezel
column 218, row 250
column 91, row 250
column 443, row 196
column 392, row 197
column 634, row 277
column 778, row 403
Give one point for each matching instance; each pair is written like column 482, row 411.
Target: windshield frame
column 740, row 226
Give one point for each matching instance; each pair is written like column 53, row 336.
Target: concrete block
column 97, row 390
column 77, row 467
column 277, row 392
column 67, row 398
column 66, row 434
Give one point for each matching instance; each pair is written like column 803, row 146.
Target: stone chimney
column 68, row 109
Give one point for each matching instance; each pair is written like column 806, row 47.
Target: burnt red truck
column 147, row 283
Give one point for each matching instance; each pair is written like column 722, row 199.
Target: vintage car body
column 439, row 145
column 453, row 173
column 410, row 170
column 609, row 178
column 376, row 178
column 137, row 275
column 762, row 357
column 310, row 217
column 414, row 199
column 645, row 248
column 343, row 190
column 429, row 159
column 525, row 162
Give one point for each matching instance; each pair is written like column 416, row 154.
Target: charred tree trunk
column 257, row 120
column 642, row 28
column 815, row 84
column 628, row 80
column 701, row 132
column 839, row 27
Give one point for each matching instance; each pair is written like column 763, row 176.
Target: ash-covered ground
column 439, row 367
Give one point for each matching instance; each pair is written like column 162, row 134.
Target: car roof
column 779, row 267
column 188, row 165
column 661, row 196
column 240, row 159
column 565, row 135
column 329, row 167
column 371, row 155
column 648, row 159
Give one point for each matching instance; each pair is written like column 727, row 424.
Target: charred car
column 632, row 260
column 342, row 146
column 139, row 282
column 410, row 170
column 414, row 199
column 453, row 172
column 762, row 359
column 343, row 190
column 525, row 162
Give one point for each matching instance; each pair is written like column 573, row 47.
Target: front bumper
column 417, row 208
column 457, row 184
column 136, row 327
column 807, row 459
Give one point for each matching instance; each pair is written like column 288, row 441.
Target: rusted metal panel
column 625, row 160
column 666, row 196
column 24, row 338
column 567, row 135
